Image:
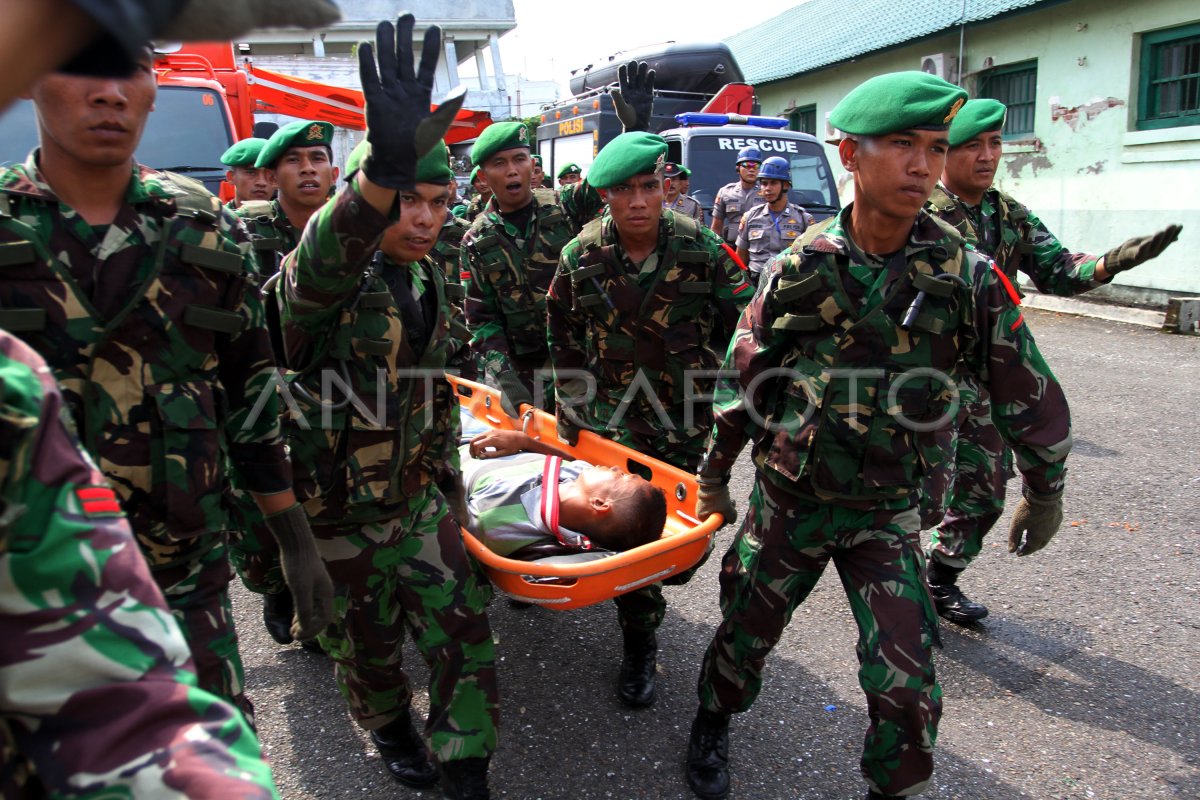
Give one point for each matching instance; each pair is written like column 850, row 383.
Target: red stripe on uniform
column 95, row 493
column 741, row 288
column 1017, row 324
column 464, row 276
column 733, row 254
column 1012, row 294
column 102, row 507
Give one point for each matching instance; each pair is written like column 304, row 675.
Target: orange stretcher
column 684, row 541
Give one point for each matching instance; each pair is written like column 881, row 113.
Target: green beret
column 674, row 170
column 498, row 137
column 244, row 153
column 634, row 153
column 474, row 174
column 434, row 166
column 976, row 117
column 898, row 101
column 302, row 133
column 536, row 160
column 568, row 169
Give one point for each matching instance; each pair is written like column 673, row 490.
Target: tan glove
column 221, row 20
column 713, row 498
column 1035, row 521
column 303, row 571
column 1139, row 250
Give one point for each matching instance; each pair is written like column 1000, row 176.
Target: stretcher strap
column 550, row 505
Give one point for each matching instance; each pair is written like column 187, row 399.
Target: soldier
column 249, row 182
column 136, row 286
column 539, row 174
column 768, row 229
column 379, row 471
column 633, row 304
column 125, row 717
column 1017, row 240
column 735, row 199
column 675, row 196
column 846, row 362
column 483, row 193
column 569, row 174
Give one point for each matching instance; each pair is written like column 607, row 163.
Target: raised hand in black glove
column 400, row 127
column 513, row 394
column 635, row 97
column 1139, row 250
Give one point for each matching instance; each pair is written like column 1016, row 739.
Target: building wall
column 1088, row 173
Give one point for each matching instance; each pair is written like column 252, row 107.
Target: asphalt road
column 1083, row 682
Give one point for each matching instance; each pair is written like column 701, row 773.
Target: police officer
column 569, row 174
column 767, row 229
column 1018, row 241
column 675, row 196
column 124, row 719
column 378, row 472
column 735, row 199
column 249, row 182
column 137, row 288
column 846, row 361
column 630, row 314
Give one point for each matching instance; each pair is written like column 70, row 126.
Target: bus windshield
column 711, row 161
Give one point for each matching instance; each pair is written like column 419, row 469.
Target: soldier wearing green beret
column 630, row 314
column 1009, row 232
column 249, row 182
column 847, row 362
column 539, row 173
column 571, row 173
column 483, row 193
column 378, row 471
column 675, row 194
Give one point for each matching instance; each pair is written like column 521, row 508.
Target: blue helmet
column 748, row 154
column 775, row 168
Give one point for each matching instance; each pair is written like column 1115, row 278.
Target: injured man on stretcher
column 590, row 512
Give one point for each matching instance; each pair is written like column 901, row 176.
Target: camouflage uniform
column 155, row 332
column 509, row 272
column 641, row 329
column 688, row 206
column 98, row 695
column 765, row 236
column 475, row 207
column 970, row 489
column 733, row 200
column 446, row 254
column 367, row 474
column 838, row 471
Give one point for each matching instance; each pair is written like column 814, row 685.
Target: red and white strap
column 550, row 505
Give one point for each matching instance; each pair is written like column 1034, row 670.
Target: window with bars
column 1169, row 81
column 803, row 119
column 1015, row 85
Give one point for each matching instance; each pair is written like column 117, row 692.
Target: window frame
column 1150, row 40
column 1029, row 65
column 796, row 113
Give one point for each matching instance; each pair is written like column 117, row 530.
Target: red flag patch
column 98, row 500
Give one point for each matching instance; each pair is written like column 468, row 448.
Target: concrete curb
column 1071, row 305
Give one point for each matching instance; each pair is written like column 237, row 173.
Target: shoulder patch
column 98, row 501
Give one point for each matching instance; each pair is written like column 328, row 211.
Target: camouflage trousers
column 412, row 573
column 197, row 592
column 970, row 488
column 774, row 563
column 253, row 550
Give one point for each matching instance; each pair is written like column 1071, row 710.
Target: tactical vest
column 1011, row 244
column 521, row 277
column 627, row 330
column 445, row 254
column 835, row 421
column 268, row 242
column 143, row 386
column 369, row 454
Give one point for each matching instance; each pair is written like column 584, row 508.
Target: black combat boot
column 277, row 615
column 404, row 754
column 465, row 779
column 708, row 755
column 635, row 683
column 948, row 599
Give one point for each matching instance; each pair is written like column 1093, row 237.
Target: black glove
column 1139, row 250
column 452, row 488
column 513, row 394
column 635, row 97
column 303, row 571
column 400, row 127
column 1036, row 520
column 713, row 498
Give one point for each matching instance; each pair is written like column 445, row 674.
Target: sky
column 553, row 37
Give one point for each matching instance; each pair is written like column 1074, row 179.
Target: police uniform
column 99, row 696
column 641, row 329
column 734, row 200
column 765, row 233
column 372, row 474
column 836, row 392
column 154, row 329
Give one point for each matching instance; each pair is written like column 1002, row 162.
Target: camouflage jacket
column 641, row 329
column 732, row 201
column 843, row 405
column 1017, row 241
column 97, row 696
column 272, row 235
column 343, row 324
column 509, row 272
column 765, row 237
column 155, row 333
column 475, row 207
column 446, row 255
